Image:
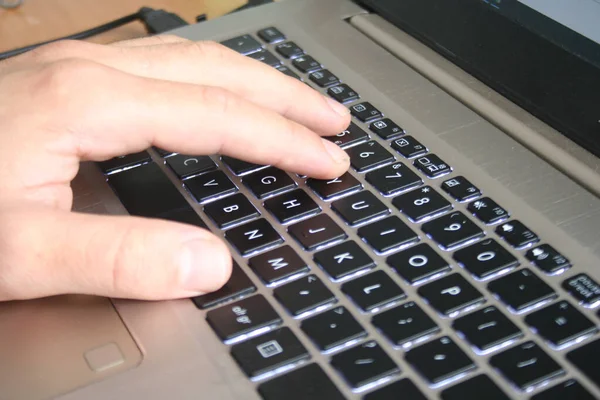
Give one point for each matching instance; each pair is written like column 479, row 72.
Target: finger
column 111, row 256
column 150, row 41
column 211, row 64
column 125, row 113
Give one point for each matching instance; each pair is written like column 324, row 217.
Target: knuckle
column 221, row 100
column 57, row 50
column 122, row 264
column 208, row 48
column 65, row 76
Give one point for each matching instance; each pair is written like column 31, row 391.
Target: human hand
column 73, row 101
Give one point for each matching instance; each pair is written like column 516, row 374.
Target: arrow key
column 333, row 328
column 364, row 364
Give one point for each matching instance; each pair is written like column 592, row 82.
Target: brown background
column 41, row 20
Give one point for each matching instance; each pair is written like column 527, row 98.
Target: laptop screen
column 542, row 54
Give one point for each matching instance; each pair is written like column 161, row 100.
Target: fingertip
column 205, row 264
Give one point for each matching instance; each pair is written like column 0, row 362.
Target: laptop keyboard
column 482, row 239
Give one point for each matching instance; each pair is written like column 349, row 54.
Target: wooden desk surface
column 40, row 20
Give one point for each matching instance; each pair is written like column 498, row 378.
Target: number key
column 393, row 178
column 452, row 230
column 349, row 137
column 368, row 155
column 421, row 203
column 485, row 258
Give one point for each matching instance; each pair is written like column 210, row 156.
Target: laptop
column 457, row 259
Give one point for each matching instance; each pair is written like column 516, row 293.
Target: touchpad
column 52, row 346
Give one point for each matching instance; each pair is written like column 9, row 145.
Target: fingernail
column 203, row 267
column 338, row 155
column 337, row 107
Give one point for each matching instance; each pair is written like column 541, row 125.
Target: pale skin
column 74, row 101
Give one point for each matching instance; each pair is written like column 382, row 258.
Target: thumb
column 45, row 252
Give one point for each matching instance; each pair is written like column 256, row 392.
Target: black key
column 306, row 64
column 387, row 234
column 393, row 390
column 585, row 359
column 244, row 44
column 332, row 328
column 570, row 389
column 289, row 49
column 286, row 71
column 460, row 188
column 365, row 112
column 526, row 365
column 343, row 93
column 304, row 294
column 373, row 290
column 209, row 186
column 487, row 329
column 560, row 323
column 266, row 57
column 240, row 167
column 124, row 162
column 242, row 317
column 336, row 187
column 292, row 205
column 349, row 137
column 386, row 129
column 409, row 147
column 451, row 294
column 268, row 182
column 421, row 203
column 488, row 211
column 368, row 155
column 237, row 286
column 309, row 382
column 585, row 289
column 324, row 78
column 360, row 207
column 405, row 323
column 432, row 166
column 452, row 230
column 277, row 264
column 439, row 360
column 231, row 210
column 546, row 258
column 147, row 192
column 185, row 166
column 317, row 231
column 364, row 364
column 271, row 35
column 164, row 153
column 485, row 258
column 521, row 290
column 418, row 263
column 343, row 259
column 393, row 178
column 269, row 352
column 516, row 234
column 474, row 389
column 253, row 236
